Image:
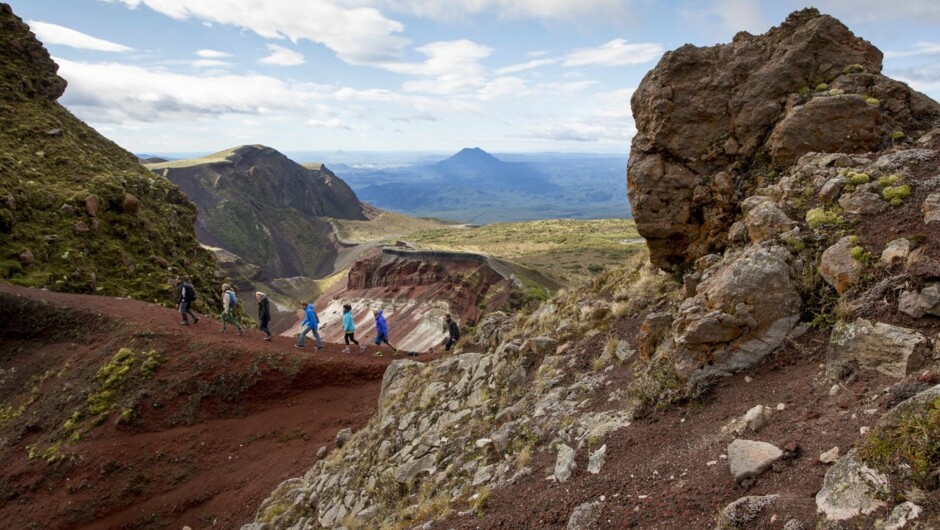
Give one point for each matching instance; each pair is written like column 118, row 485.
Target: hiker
column 381, row 332
column 187, row 295
column 264, row 313
column 349, row 329
column 453, row 332
column 310, row 323
column 229, row 303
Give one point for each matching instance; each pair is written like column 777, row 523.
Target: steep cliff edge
column 77, row 212
column 261, row 206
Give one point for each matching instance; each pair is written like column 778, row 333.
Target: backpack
column 189, row 293
column 232, row 301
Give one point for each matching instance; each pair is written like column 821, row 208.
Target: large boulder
column 891, row 350
column 743, row 310
column 851, row 489
column 711, row 120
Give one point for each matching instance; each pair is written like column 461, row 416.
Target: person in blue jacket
column 349, row 329
column 381, row 332
column 310, row 323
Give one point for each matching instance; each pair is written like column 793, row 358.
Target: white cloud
column 615, row 53
column 445, row 58
column 55, row 34
column 333, row 123
column 922, row 48
column 359, row 35
column 212, row 54
column 569, row 87
column 282, row 56
column 117, row 93
column 565, row 10
column 209, row 63
column 503, row 87
column 535, row 63
column 611, row 121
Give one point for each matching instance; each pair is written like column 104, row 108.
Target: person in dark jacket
column 453, row 332
column 381, row 332
column 264, row 314
column 186, row 295
column 310, row 323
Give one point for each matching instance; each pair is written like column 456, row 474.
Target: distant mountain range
column 475, row 186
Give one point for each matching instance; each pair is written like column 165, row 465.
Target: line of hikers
column 187, row 295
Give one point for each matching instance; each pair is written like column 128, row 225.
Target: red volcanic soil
column 217, row 426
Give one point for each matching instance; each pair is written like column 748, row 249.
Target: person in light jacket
column 310, row 323
column 228, row 308
column 349, row 329
column 264, row 314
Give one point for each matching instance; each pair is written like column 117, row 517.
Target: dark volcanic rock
column 28, row 56
column 713, row 121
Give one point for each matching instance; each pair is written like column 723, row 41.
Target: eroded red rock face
column 415, row 289
column 713, row 122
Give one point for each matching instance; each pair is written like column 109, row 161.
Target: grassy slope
column 130, row 254
column 570, row 251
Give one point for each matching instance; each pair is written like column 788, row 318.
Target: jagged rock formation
column 713, row 123
column 261, row 206
column 416, row 288
column 77, row 212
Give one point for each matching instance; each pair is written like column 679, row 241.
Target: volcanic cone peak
column 713, row 120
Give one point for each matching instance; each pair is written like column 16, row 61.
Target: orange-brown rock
column 712, row 122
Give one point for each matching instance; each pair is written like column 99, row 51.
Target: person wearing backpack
column 310, row 323
column 187, row 295
column 453, row 332
column 264, row 314
column 229, row 303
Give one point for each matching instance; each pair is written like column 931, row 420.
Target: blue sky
column 407, row 75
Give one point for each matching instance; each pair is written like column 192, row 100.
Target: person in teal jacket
column 310, row 323
column 349, row 329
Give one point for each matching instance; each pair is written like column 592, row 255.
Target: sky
column 164, row 76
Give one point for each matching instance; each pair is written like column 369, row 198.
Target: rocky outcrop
column 744, row 308
column 711, row 121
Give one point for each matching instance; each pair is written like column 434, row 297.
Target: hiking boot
column 395, row 351
column 298, row 345
column 377, row 354
column 195, row 320
column 362, row 348
column 346, row 350
column 268, row 338
column 412, row 354
column 184, row 323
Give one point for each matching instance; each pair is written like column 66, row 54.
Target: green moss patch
column 910, row 441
